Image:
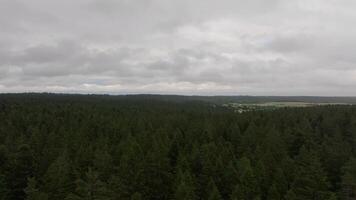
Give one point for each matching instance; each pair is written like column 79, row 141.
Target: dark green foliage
column 32, row 192
column 213, row 192
column 154, row 148
column 185, row 187
column 247, row 187
column 311, row 180
column 90, row 188
column 3, row 187
column 136, row 196
column 273, row 193
column 58, row 178
column 20, row 168
column 349, row 179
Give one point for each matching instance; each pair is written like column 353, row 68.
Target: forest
column 92, row 147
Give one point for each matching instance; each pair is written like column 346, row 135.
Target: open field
column 244, row 107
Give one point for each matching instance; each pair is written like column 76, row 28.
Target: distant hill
column 175, row 98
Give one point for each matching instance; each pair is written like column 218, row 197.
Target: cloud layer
column 208, row 47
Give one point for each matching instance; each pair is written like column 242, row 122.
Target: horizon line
column 175, row 94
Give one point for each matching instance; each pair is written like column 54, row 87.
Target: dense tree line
column 90, row 148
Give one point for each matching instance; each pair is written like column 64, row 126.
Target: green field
column 244, row 107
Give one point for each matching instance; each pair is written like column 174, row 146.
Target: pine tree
column 156, row 174
column 32, row 192
column 185, row 189
column 59, row 178
column 3, row 187
column 247, row 187
column 310, row 181
column 291, row 195
column 214, row 193
column 128, row 177
column 136, row 196
column 335, row 154
column 103, row 162
column 21, row 168
column 37, row 142
column 90, row 188
column 349, row 179
column 3, row 156
column 273, row 193
column 280, row 182
column 229, row 178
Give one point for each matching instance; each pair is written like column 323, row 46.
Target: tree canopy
column 71, row 147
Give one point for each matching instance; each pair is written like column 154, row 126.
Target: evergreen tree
column 21, row 168
column 103, row 162
column 273, row 193
column 291, row 195
column 136, row 196
column 214, row 193
column 90, row 188
column 59, row 178
column 247, row 187
column 335, row 155
column 32, row 192
column 3, row 188
column 349, row 179
column 229, row 179
column 157, row 171
column 280, row 182
column 3, row 157
column 311, row 181
column 185, row 189
column 129, row 174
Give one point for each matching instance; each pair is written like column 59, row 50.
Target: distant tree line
column 75, row 148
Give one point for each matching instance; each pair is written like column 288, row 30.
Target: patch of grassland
column 244, row 107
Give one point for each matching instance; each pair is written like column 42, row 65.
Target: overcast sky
column 202, row 47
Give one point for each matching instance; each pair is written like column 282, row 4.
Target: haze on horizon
column 200, row 47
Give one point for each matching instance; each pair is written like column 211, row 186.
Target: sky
column 191, row 47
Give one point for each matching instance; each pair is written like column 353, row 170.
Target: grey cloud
column 190, row 47
column 63, row 58
column 63, row 50
column 290, row 44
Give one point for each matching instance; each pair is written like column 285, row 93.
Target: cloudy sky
column 203, row 47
